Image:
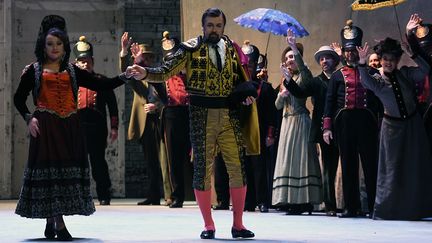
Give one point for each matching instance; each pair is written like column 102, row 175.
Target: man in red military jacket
column 351, row 117
column 92, row 112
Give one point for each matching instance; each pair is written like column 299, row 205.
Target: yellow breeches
column 220, row 135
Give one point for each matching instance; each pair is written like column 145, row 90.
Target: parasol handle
column 397, row 20
column 268, row 40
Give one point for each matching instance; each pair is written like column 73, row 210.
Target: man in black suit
column 258, row 167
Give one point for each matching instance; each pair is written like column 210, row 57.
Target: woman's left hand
column 285, row 72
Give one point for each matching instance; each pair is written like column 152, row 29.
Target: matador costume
column 217, row 117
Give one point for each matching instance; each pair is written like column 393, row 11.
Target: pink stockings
column 238, row 196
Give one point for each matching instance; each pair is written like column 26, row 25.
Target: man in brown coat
column 144, row 123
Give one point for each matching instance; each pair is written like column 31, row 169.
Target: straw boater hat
column 323, row 50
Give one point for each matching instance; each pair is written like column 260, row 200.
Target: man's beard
column 213, row 38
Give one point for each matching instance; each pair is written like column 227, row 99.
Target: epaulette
column 192, row 44
column 26, row 68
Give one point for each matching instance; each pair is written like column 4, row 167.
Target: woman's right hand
column 33, row 126
column 413, row 23
column 291, row 41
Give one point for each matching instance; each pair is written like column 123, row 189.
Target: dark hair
column 389, row 46
column 40, row 46
column 52, row 21
column 288, row 48
column 212, row 12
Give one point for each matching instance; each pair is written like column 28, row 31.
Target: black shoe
column 104, row 202
column 49, row 231
column 149, row 202
column 63, row 235
column 348, row 214
column 221, row 206
column 243, row 233
column 176, row 204
column 331, row 213
column 298, row 209
column 249, row 208
column 207, row 234
column 293, row 211
column 263, row 208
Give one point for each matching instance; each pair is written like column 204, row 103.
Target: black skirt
column 404, row 171
column 56, row 179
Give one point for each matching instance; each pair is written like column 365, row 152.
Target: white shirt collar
column 221, row 50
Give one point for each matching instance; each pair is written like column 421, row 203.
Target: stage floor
column 124, row 221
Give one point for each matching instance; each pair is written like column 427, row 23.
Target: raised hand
column 337, row 48
column 363, row 52
column 413, row 23
column 135, row 50
column 126, row 41
column 291, row 41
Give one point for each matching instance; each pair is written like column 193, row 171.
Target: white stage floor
column 124, row 221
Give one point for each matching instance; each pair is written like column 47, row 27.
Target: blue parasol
column 271, row 20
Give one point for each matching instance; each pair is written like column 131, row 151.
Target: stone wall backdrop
column 145, row 21
column 6, row 122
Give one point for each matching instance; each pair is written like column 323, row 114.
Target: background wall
column 6, row 121
column 323, row 19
